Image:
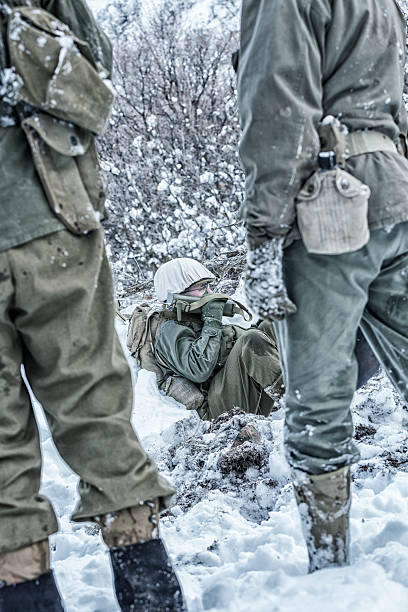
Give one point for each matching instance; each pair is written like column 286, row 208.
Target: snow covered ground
column 234, row 534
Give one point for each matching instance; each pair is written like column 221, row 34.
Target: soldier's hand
column 264, row 285
column 212, row 312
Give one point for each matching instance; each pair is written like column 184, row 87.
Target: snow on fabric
column 234, row 532
column 176, row 275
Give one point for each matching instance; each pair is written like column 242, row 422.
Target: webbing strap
column 241, row 309
column 205, row 299
column 368, row 141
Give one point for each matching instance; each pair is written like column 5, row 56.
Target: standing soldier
column 320, row 84
column 57, row 317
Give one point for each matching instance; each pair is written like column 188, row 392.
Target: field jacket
column 194, row 350
column 299, row 61
column 24, row 210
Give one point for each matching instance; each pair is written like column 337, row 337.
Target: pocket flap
column 63, row 137
column 58, row 72
column 47, row 23
column 349, row 186
column 311, row 189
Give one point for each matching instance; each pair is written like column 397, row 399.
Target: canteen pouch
column 66, row 161
column 332, row 211
column 57, row 68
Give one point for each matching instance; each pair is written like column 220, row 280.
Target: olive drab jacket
column 25, row 212
column 300, row 61
column 194, row 350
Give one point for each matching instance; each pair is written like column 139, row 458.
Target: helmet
column 176, row 275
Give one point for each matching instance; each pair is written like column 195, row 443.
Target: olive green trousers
column 252, row 365
column 334, row 294
column 57, row 319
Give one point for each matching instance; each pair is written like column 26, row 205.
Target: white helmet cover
column 177, row 275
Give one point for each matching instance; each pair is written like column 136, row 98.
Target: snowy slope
column 235, row 536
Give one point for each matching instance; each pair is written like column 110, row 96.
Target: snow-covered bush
column 171, row 151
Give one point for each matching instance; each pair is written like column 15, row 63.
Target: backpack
column 144, row 323
column 143, row 326
column 57, row 74
column 57, row 69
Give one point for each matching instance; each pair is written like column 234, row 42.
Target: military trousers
column 334, row 294
column 252, row 365
column 57, row 320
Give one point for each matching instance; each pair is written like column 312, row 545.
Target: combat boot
column 26, row 581
column 143, row 576
column 38, row 595
column 324, row 505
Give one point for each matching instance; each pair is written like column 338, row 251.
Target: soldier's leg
column 277, row 389
column 317, row 349
column 317, row 353
column 252, row 365
column 368, row 364
column 76, row 367
column 267, row 328
column 385, row 320
column 25, row 516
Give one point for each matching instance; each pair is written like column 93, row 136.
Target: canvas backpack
column 143, row 325
column 57, row 69
column 70, row 102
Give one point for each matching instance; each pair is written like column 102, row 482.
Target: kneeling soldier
column 233, row 366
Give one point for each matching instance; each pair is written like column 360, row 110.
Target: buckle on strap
column 335, row 138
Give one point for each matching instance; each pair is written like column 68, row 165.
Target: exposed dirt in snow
column 201, row 457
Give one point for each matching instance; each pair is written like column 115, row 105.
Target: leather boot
column 145, row 579
column 324, row 505
column 37, row 595
column 143, row 575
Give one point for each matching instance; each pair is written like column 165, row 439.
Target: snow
column 235, row 539
column 97, row 5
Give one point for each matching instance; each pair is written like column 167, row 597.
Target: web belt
column 368, row 141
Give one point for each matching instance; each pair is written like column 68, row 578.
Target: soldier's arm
column 185, row 354
column 280, row 99
column 78, row 17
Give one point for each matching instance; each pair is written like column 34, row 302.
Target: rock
column 249, row 433
column 242, row 457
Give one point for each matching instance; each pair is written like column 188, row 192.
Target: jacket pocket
column 228, row 339
column 332, row 210
column 66, row 160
